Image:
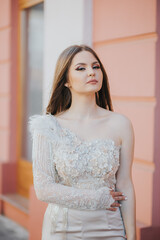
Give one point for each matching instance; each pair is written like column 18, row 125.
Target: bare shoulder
column 123, row 125
column 120, row 120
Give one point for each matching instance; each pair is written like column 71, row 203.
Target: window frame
column 24, row 167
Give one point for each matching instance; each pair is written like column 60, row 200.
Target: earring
column 67, row 85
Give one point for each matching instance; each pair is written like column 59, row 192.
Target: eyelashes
column 80, row 68
column 83, row 68
column 96, row 67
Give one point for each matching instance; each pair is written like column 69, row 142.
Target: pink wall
column 125, row 37
column 8, row 81
column 156, row 179
column 37, row 210
column 8, row 78
column 5, row 62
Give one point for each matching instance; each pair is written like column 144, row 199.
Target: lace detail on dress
column 92, row 164
column 69, row 171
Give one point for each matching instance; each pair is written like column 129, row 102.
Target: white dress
column 74, row 177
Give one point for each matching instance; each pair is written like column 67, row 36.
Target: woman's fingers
column 115, row 204
column 118, row 196
column 112, row 209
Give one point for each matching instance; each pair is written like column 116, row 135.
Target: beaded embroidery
column 70, row 172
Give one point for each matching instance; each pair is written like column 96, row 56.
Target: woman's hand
column 118, row 196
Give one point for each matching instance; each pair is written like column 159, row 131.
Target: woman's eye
column 96, row 67
column 80, row 68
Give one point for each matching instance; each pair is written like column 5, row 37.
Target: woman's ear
column 67, row 84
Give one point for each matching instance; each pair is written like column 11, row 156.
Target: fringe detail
column 42, row 124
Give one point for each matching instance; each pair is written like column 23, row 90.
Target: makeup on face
column 83, row 66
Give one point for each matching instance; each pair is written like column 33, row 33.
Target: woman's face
column 84, row 68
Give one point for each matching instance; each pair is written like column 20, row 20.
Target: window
column 31, row 70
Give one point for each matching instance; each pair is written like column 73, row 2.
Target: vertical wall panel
column 4, row 139
column 124, row 37
column 133, row 73
column 4, row 78
column 5, row 107
column 143, row 127
column 5, row 55
column 5, row 44
column 143, row 180
column 5, row 11
column 117, row 19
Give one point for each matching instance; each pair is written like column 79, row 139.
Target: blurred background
column 125, row 34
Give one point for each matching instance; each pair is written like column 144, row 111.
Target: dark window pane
column 31, row 69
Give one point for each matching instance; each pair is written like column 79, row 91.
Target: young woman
column 82, row 155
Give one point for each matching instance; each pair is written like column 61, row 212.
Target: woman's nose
column 91, row 73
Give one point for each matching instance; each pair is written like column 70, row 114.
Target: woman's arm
column 48, row 188
column 124, row 179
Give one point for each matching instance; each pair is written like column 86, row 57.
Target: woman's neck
column 83, row 106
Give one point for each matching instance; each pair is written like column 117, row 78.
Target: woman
column 82, row 155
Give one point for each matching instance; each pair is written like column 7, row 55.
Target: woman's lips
column 92, row 81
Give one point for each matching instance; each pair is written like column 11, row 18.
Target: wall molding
column 4, row 61
column 5, row 129
column 134, row 99
column 5, row 27
column 149, row 165
column 6, row 94
column 144, row 36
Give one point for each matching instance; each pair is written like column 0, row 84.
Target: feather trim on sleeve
column 41, row 124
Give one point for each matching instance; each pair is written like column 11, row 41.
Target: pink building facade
column 129, row 48
column 125, row 34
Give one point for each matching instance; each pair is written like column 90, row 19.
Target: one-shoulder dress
column 74, row 176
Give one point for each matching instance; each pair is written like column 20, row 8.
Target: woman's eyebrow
column 86, row 64
column 80, row 64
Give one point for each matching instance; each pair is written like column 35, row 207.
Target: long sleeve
column 48, row 188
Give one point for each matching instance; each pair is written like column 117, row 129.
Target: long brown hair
column 61, row 97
